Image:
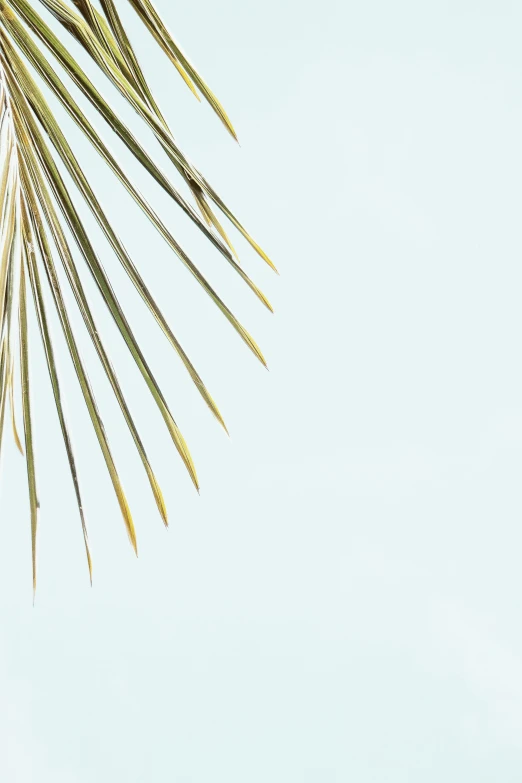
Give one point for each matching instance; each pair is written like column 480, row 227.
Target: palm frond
column 36, row 210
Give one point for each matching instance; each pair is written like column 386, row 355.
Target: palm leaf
column 37, row 207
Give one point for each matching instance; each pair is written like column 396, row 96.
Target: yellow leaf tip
column 133, row 542
column 269, row 262
column 219, row 418
column 230, row 129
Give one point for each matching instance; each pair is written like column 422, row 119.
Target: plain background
column 343, row 602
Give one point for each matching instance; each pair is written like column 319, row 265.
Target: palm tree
column 37, row 212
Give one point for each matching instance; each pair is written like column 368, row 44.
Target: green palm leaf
column 35, row 206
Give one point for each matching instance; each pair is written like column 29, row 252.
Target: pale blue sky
column 343, row 602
